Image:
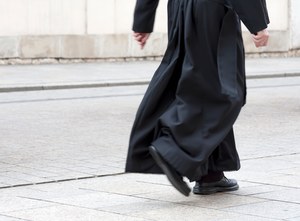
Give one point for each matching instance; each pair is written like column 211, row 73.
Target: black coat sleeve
column 144, row 15
column 253, row 13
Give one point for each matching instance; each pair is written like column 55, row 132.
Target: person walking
column 184, row 124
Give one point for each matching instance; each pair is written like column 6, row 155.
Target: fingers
column 260, row 42
column 261, row 38
column 141, row 38
column 138, row 36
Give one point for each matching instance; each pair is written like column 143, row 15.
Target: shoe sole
column 212, row 190
column 184, row 189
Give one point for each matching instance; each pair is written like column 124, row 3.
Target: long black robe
column 197, row 92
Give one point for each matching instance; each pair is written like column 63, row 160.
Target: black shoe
column 222, row 185
column 175, row 179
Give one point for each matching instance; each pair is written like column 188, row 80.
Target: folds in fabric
column 188, row 110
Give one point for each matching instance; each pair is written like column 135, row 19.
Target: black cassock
column 197, row 92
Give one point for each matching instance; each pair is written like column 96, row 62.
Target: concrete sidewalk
column 62, row 152
column 66, row 76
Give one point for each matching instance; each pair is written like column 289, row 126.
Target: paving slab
column 260, row 190
column 294, row 219
column 283, row 195
column 216, row 201
column 269, row 209
column 15, row 203
column 63, row 213
column 7, row 218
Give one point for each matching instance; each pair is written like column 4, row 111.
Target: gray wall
column 97, row 29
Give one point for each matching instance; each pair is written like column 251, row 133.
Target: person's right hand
column 261, row 38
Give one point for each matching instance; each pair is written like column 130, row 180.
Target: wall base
column 121, row 47
column 37, row 61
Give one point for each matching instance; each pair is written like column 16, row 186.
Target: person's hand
column 141, row 38
column 261, row 38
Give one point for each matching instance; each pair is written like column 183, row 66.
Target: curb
column 277, row 75
column 117, row 84
column 70, row 86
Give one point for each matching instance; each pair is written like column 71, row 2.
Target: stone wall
column 101, row 29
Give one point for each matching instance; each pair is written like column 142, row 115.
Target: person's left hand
column 261, row 38
column 141, row 38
